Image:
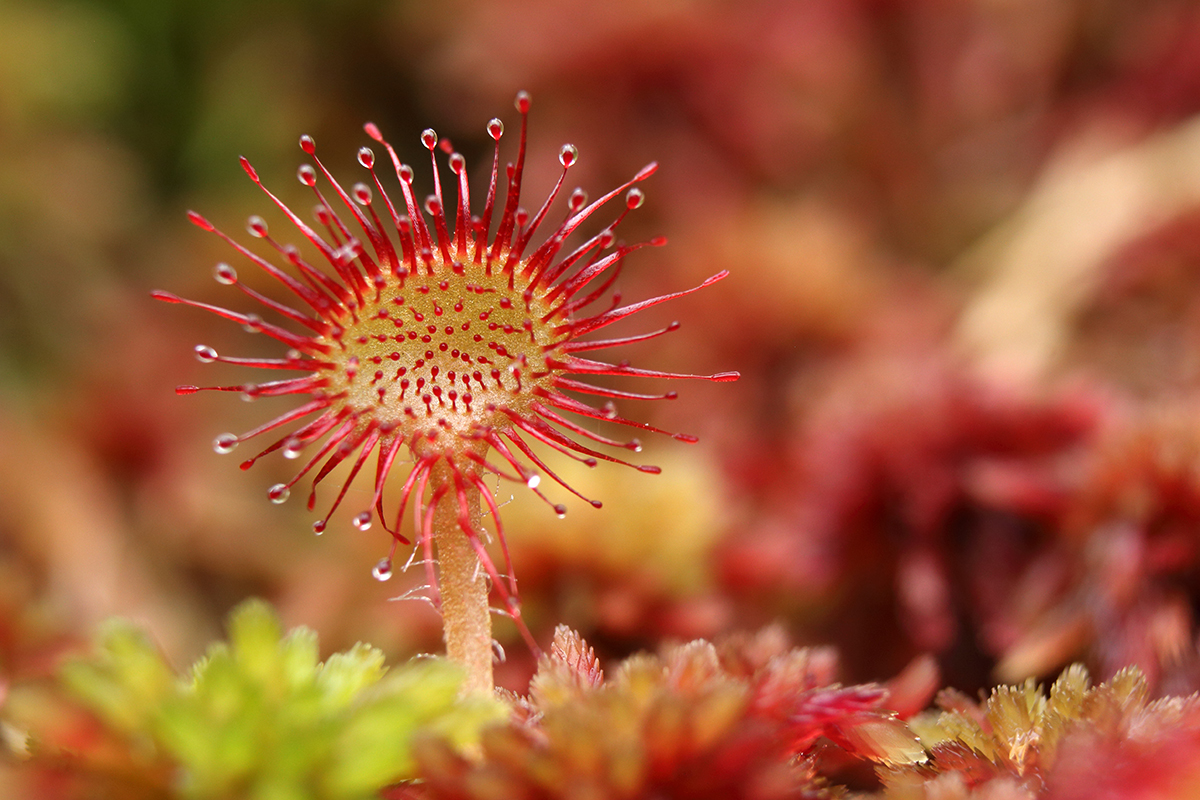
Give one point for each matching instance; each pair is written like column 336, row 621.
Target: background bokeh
column 964, row 243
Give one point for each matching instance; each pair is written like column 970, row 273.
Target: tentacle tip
column 245, row 162
column 649, row 469
column 685, row 437
column 247, row 464
column 646, row 171
column 726, row 377
column 166, row 297
column 372, row 130
column 523, row 101
column 182, row 390
column 199, row 221
column 596, row 504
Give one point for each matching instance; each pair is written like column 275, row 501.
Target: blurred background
column 964, row 245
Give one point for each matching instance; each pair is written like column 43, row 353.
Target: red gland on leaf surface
column 422, row 334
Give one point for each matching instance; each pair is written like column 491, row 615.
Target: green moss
column 262, row 717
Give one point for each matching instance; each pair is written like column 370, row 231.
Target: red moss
column 743, row 719
column 912, row 505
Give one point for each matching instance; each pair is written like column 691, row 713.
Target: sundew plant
column 447, row 341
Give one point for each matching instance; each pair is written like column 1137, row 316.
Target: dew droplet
column 568, row 155
column 307, row 175
column 225, row 443
column 362, row 194
column 225, row 274
column 363, row 521
column 366, row 157
column 279, row 493
column 257, row 226
column 432, row 206
column 495, row 128
column 635, row 445
column 292, row 448
column 577, row 200
column 534, row 481
column 319, row 527
column 429, row 138
column 405, row 173
column 634, row 198
column 457, row 163
column 383, row 570
column 522, row 101
column 561, row 511
column 205, row 354
column 307, row 144
column 252, row 323
column 610, row 409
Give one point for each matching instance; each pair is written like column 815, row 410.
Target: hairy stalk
column 463, row 584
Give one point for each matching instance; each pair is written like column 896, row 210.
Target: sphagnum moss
column 428, row 333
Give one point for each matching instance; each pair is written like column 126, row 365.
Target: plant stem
column 463, row 584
